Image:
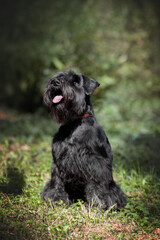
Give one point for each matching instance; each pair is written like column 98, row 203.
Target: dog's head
column 66, row 95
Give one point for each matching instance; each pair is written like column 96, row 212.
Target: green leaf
column 58, row 63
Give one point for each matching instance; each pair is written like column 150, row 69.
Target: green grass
column 25, row 161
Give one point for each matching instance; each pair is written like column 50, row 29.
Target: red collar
column 85, row 115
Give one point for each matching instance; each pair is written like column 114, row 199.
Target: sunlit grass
column 25, row 161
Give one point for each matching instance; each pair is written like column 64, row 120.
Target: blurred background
column 115, row 42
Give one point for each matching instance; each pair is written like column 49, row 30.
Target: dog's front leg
column 103, row 196
column 96, row 195
column 54, row 189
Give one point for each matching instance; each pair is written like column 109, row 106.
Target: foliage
column 107, row 40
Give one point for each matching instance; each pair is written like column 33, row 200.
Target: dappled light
column 115, row 43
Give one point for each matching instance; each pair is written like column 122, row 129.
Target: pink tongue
column 57, row 99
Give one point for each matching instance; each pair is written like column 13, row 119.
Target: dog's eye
column 76, row 81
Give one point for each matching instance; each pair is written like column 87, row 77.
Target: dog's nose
column 56, row 83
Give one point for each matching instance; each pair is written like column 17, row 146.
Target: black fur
column 82, row 156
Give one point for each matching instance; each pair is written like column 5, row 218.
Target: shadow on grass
column 9, row 230
column 13, row 226
column 14, row 182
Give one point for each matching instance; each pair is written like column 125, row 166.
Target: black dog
column 82, row 156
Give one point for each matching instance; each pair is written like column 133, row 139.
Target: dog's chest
column 71, row 156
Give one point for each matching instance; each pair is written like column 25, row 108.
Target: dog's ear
column 89, row 85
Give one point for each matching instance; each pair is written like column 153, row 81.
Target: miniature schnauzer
column 82, row 155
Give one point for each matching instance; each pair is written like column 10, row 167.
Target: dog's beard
column 59, row 113
column 65, row 104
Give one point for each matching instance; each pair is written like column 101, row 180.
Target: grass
column 25, row 160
